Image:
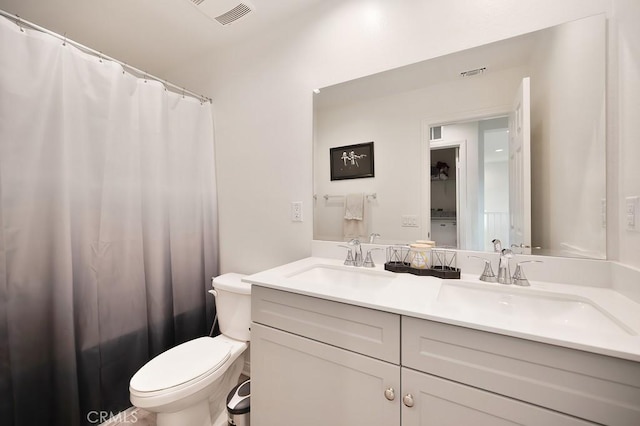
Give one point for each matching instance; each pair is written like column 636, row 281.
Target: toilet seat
column 181, row 366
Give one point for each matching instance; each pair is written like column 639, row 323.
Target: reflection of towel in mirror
column 354, row 207
column 354, row 224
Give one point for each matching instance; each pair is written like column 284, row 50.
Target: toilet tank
column 233, row 305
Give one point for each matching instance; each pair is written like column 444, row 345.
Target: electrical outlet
column 632, row 212
column 409, row 220
column 296, row 211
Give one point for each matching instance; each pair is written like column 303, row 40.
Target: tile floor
column 143, row 418
column 139, row 417
column 133, row 416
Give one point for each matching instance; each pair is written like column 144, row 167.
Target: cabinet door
column 602, row 389
column 298, row 381
column 441, row 402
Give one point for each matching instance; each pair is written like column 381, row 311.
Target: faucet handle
column 487, row 275
column 368, row 261
column 349, row 260
column 518, row 275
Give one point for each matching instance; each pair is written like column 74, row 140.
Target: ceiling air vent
column 471, row 73
column 224, row 11
column 234, row 14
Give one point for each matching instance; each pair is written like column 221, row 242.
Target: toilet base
column 222, row 420
column 195, row 415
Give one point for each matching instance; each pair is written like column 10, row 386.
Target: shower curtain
column 108, row 228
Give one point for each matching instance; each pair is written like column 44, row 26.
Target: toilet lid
column 182, row 364
column 231, row 282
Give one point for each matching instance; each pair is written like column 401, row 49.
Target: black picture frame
column 352, row 161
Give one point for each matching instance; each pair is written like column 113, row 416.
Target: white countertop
column 418, row 297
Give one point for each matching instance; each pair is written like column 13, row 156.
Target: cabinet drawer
column 586, row 385
column 361, row 330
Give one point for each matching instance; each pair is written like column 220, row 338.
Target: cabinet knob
column 390, row 394
column 408, row 400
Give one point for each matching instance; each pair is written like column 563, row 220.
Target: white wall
column 568, row 161
column 263, row 99
column 624, row 170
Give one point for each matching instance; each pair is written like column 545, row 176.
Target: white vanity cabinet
column 308, row 366
column 319, row 362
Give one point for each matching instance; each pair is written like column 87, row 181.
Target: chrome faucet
column 372, row 237
column 357, row 261
column 368, row 261
column 504, row 271
column 487, row 274
column 518, row 276
column 348, row 261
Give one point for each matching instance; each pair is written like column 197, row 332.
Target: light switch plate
column 410, row 220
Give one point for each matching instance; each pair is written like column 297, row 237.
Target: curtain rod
column 139, row 73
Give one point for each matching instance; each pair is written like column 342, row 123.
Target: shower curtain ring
column 100, row 57
column 19, row 23
column 64, row 41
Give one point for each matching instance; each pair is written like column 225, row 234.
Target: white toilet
column 188, row 384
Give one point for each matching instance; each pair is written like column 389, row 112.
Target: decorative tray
column 444, row 272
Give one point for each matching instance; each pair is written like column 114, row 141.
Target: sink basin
column 342, row 275
column 527, row 305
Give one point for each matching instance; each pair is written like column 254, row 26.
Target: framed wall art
column 352, row 161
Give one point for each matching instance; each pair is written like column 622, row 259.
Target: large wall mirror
column 505, row 141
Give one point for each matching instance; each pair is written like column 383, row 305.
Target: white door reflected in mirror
column 520, row 169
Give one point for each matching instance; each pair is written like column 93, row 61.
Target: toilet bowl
column 188, row 384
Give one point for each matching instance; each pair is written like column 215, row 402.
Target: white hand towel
column 354, row 229
column 354, row 206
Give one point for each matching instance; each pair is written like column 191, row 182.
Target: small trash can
column 239, row 403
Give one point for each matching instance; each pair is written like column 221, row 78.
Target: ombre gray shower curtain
column 108, row 228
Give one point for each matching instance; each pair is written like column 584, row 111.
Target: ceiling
column 152, row 35
column 509, row 53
